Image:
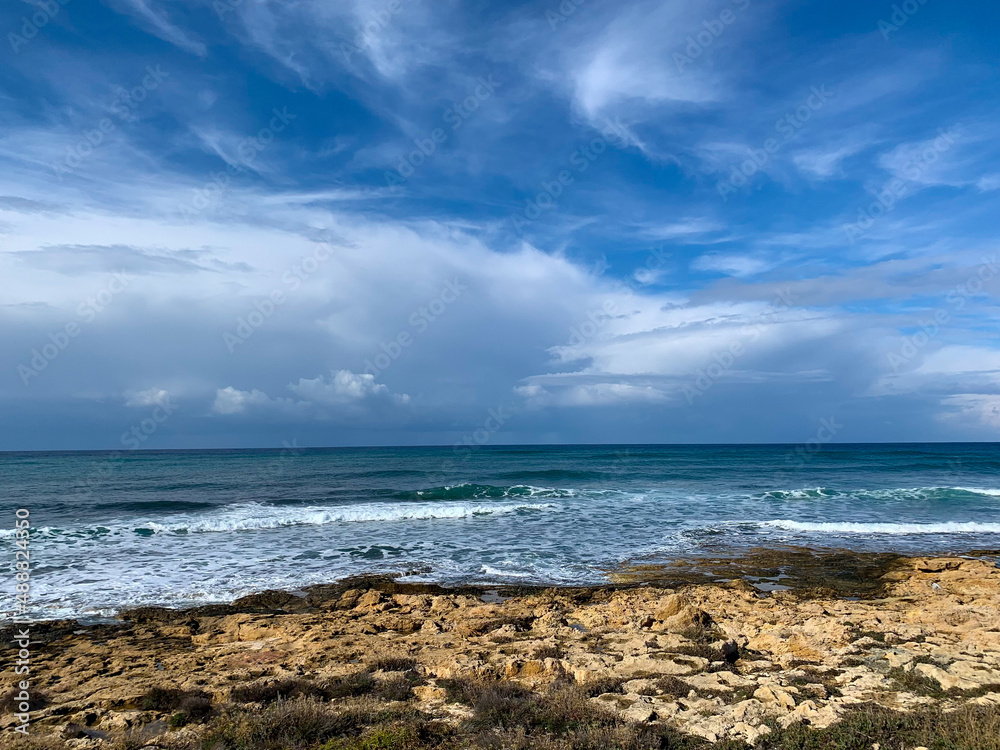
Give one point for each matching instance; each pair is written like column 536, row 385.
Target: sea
column 182, row 528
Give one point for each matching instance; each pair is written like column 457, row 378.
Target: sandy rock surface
column 715, row 660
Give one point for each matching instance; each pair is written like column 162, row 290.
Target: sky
column 275, row 223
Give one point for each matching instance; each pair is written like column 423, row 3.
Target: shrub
column 396, row 689
column 549, row 652
column 350, row 686
column 392, row 664
column 190, row 705
column 603, row 685
column 967, row 728
column 269, row 692
column 398, row 737
column 916, row 682
column 294, row 724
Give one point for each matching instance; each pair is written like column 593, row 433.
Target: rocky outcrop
column 715, row 660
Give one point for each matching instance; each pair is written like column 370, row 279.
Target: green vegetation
column 191, row 706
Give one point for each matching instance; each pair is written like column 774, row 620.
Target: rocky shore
column 727, row 652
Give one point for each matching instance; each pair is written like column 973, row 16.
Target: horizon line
column 497, row 446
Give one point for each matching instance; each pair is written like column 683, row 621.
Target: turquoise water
column 192, row 527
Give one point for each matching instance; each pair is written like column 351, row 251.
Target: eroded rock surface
column 714, row 660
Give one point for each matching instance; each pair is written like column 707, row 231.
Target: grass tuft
column 392, row 664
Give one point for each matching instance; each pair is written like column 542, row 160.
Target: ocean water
column 181, row 528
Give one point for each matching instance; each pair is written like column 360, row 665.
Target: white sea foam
column 256, row 516
column 489, row 570
column 822, row 493
column 259, row 517
column 840, row 527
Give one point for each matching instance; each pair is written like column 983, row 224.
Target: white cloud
column 953, row 157
column 686, row 230
column 825, row 163
column 731, row 264
column 155, row 21
column 974, row 407
column 957, row 360
column 624, row 59
column 989, row 182
column 646, row 275
column 229, row 400
column 344, row 387
column 149, row 397
column 591, row 394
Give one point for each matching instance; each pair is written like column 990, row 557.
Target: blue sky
column 263, row 223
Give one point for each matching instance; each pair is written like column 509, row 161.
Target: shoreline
column 663, row 649
column 804, row 571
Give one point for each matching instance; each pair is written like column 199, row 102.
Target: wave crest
column 263, row 517
column 841, row 527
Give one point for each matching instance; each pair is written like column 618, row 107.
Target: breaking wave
column 841, row 527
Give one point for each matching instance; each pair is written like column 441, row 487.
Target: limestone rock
column 772, row 694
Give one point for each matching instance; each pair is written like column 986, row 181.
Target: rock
column 428, row 693
column 989, row 699
column 667, row 664
column 348, row 599
column 717, row 681
column 670, row 607
column 641, row 687
column 731, row 650
column 899, row 658
column 640, row 712
column 787, row 648
column 816, row 716
column 976, row 672
column 946, row 680
column 676, row 615
column 771, row 694
column 936, row 565
column 748, row 710
column 631, row 707
column 369, row 599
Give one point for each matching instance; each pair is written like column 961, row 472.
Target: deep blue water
column 187, row 527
